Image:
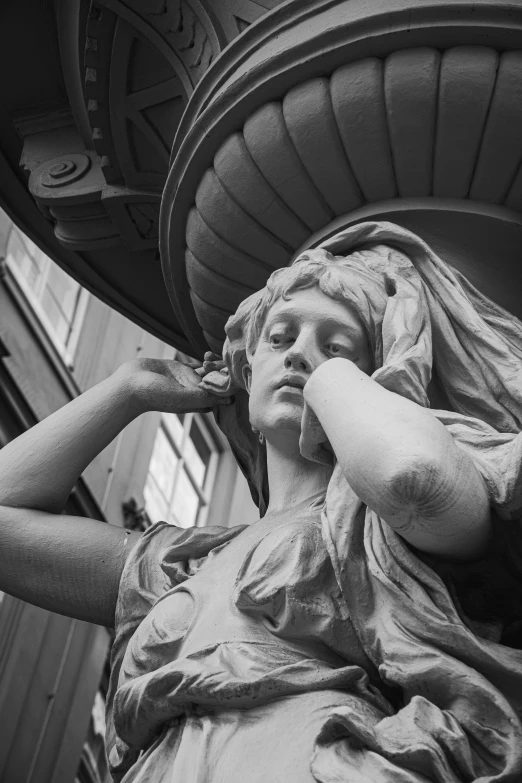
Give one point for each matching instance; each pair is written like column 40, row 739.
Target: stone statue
column 364, row 629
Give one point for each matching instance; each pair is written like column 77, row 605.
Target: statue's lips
column 291, row 382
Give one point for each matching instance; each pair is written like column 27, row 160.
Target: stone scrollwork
column 68, row 189
column 89, row 213
column 61, row 173
column 65, row 171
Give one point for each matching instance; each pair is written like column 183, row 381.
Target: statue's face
column 299, row 334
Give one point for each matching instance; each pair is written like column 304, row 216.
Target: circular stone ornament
column 325, row 114
column 63, row 171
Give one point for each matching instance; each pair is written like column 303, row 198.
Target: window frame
column 66, row 349
column 204, row 492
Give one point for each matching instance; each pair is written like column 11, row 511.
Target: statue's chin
column 282, row 418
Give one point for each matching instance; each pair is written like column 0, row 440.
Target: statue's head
column 321, row 307
column 377, row 295
column 309, row 313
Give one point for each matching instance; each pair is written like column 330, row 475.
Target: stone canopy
column 263, row 128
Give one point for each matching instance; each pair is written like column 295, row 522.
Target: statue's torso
column 272, row 586
column 262, row 619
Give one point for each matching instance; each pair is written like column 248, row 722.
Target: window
column 181, row 471
column 58, row 300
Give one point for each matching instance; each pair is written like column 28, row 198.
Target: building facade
column 57, row 340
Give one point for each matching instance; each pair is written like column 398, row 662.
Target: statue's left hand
column 214, row 375
column 168, row 386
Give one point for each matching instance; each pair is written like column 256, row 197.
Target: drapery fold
column 462, row 693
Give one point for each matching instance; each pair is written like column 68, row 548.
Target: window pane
column 55, row 314
column 174, row 424
column 186, row 502
column 163, row 463
column 56, row 294
column 30, row 266
column 64, row 290
column 155, row 503
column 197, row 454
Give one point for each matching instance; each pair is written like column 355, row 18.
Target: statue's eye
column 282, row 338
column 334, row 348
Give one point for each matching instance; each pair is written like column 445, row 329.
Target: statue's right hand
column 168, row 386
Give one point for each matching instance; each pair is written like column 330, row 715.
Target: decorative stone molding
column 136, row 213
column 345, row 105
column 63, row 172
column 187, row 27
column 233, row 17
column 69, row 189
column 89, row 214
column 143, row 61
column 118, row 76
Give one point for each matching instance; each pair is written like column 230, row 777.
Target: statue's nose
column 296, row 359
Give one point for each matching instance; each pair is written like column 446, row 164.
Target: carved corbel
column 90, row 214
column 69, row 189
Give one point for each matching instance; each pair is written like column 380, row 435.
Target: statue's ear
column 246, row 372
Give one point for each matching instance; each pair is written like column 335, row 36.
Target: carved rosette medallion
column 324, row 115
column 64, row 172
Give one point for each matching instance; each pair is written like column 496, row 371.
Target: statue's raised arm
column 69, row 565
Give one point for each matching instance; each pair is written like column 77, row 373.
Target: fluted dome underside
column 418, row 124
